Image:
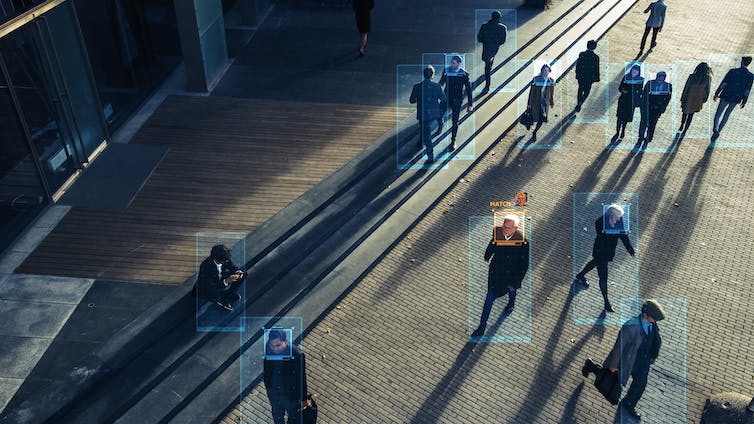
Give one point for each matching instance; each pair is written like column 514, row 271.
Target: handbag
column 309, row 414
column 608, row 383
column 527, row 119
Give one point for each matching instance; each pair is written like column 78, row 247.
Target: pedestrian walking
column 285, row 379
column 456, row 80
column 608, row 228
column 695, row 94
column 630, row 98
column 654, row 101
column 363, row 11
column 734, row 90
column 430, row 103
column 508, row 266
column 636, row 348
column 541, row 92
column 587, row 72
column 655, row 22
column 219, row 278
column 492, row 35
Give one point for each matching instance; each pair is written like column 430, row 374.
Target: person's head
column 220, row 253
column 510, row 224
column 661, row 76
column 545, row 70
column 702, row 71
column 591, row 44
column 745, row 61
column 652, row 311
column 429, row 72
column 496, row 15
column 277, row 342
column 634, row 72
column 455, row 62
column 613, row 215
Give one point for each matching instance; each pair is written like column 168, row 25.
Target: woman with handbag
column 541, row 91
column 630, row 98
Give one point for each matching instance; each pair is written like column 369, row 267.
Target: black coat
column 208, row 284
column 588, row 67
column 454, row 86
column 655, row 104
column 492, row 35
column 430, row 100
column 605, row 244
column 629, row 100
column 293, row 373
column 508, row 265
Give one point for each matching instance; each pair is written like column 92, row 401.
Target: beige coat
column 695, row 95
column 535, row 97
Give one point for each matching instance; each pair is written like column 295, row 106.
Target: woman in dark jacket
column 695, row 94
column 630, row 98
column 609, row 228
column 363, row 10
column 540, row 99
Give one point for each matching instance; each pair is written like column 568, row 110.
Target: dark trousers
column 724, row 109
column 648, row 124
column 455, row 115
column 281, row 406
column 489, row 300
column 488, row 72
column 601, row 272
column 686, row 121
column 639, row 374
column 644, row 37
column 426, row 137
column 584, row 89
column 223, row 293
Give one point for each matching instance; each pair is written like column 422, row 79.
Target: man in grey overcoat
column 655, row 23
column 636, row 348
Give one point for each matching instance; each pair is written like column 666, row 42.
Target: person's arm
column 467, row 85
column 747, row 91
column 722, row 86
column 551, row 92
column 414, row 94
column 598, row 68
column 479, row 34
column 444, row 78
column 579, row 65
column 504, row 34
column 656, row 347
column 490, row 251
column 443, row 99
column 612, row 362
column 525, row 258
column 649, row 7
column 304, row 387
column 686, row 87
column 627, row 243
column 662, row 19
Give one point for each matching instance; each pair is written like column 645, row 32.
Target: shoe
column 582, row 281
column 577, row 108
column 534, row 137
column 631, row 411
column 508, row 309
column 588, row 367
column 438, row 132
column 715, row 135
column 608, row 306
column 452, row 146
column 622, row 135
column 222, row 304
column 479, row 332
column 431, row 160
column 485, row 90
column 233, row 297
column 653, row 46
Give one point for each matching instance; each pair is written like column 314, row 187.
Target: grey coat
column 656, row 12
column 627, row 345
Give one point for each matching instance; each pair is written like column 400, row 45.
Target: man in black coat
column 285, row 380
column 507, row 270
column 492, row 35
column 456, row 79
column 654, row 101
column 636, row 348
column 587, row 72
column 608, row 228
column 219, row 278
column 734, row 89
column 430, row 105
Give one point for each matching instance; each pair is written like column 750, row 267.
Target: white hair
column 616, row 211
column 512, row 217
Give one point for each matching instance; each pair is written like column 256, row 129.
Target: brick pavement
column 395, row 349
